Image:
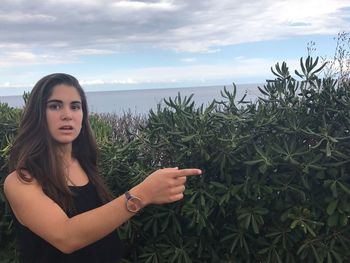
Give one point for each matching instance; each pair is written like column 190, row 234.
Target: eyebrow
column 59, row 101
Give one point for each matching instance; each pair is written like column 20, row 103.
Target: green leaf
column 343, row 220
column 337, row 256
column 188, row 138
column 333, row 220
column 255, row 225
column 254, row 162
column 309, row 229
column 263, row 168
column 328, row 149
column 247, row 221
column 332, row 206
column 334, row 189
column 294, row 224
column 344, row 188
column 316, row 254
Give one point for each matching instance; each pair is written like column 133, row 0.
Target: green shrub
column 9, row 120
column 276, row 183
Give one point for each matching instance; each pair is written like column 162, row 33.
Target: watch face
column 134, row 204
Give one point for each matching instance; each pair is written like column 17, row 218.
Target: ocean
column 142, row 100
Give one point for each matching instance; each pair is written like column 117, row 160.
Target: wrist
column 138, row 192
column 133, row 203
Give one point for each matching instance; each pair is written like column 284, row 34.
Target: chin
column 65, row 140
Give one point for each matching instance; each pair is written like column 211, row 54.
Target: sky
column 111, row 44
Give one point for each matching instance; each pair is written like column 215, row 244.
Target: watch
column 133, row 203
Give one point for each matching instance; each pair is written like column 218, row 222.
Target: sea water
column 142, row 100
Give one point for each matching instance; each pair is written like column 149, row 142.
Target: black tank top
column 34, row 249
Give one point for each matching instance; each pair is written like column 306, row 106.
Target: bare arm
column 44, row 217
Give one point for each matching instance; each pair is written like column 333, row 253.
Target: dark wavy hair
column 34, row 151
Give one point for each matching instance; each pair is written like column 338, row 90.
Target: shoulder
column 14, row 182
column 20, row 193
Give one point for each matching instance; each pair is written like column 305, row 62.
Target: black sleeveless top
column 34, row 249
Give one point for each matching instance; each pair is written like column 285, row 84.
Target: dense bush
column 276, row 183
column 9, row 120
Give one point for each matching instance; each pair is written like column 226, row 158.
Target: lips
column 66, row 128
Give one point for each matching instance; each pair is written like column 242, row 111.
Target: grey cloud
column 105, row 25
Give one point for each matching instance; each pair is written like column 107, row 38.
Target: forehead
column 65, row 93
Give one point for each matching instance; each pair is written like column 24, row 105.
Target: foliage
column 122, row 128
column 9, row 120
column 276, row 181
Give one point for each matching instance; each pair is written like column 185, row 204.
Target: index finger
column 188, row 172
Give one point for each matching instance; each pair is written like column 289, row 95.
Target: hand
column 164, row 186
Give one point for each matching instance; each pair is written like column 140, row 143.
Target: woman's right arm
column 45, row 218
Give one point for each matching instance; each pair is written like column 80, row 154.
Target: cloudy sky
column 125, row 44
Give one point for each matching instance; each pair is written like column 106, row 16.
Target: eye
column 75, row 107
column 54, row 106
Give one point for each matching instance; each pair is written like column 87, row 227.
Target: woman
column 62, row 210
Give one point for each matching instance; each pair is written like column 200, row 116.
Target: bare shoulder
column 20, row 195
column 13, row 183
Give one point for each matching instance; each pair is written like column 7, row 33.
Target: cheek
column 50, row 123
column 80, row 118
column 52, row 117
column 49, row 119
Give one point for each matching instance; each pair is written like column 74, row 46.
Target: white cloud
column 192, row 26
column 27, row 58
column 239, row 69
column 230, row 23
column 27, row 18
column 91, row 51
column 108, row 81
column 14, row 85
column 139, row 5
column 51, row 32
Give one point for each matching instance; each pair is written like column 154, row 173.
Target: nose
column 66, row 113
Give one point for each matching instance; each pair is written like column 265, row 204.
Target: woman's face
column 64, row 114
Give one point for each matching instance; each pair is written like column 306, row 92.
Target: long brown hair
column 35, row 152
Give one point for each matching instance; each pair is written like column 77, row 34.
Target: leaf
column 334, row 189
column 294, row 224
column 298, row 74
column 328, row 149
column 337, row 256
column 234, row 244
column 263, row 92
column 329, row 258
column 247, row 221
column 309, row 229
column 253, row 162
column 188, row 138
column 333, row 220
column 343, row 220
column 344, row 188
column 263, row 168
column 332, row 206
column 219, row 185
column 316, row 254
column 255, row 225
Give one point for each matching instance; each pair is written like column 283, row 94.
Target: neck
column 66, row 152
column 68, row 160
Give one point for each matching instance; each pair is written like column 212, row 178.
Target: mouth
column 66, row 128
